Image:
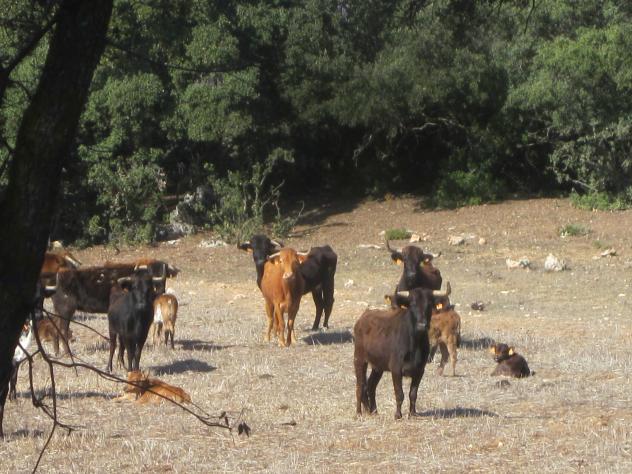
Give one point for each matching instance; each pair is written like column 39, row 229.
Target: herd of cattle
column 400, row 340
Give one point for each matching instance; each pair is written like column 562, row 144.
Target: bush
column 574, row 230
column 600, row 201
column 461, row 188
column 244, row 198
column 397, row 234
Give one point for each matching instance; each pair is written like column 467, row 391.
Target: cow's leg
column 171, row 334
column 270, row 314
column 374, row 379
column 3, row 398
column 399, row 392
column 121, row 354
column 113, row 337
column 328, row 299
column 412, row 394
column 361, row 391
column 64, row 330
column 139, row 350
column 291, row 316
column 433, row 350
column 452, row 343
column 320, row 306
column 13, row 381
column 444, row 358
column 280, row 321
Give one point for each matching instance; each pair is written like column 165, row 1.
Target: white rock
column 554, row 264
column 349, row 283
column 482, row 241
column 415, row 238
column 456, row 240
column 206, row 244
column 369, row 246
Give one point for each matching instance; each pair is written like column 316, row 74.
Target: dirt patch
column 573, row 327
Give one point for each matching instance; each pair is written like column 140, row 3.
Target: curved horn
column 448, row 290
column 72, row 260
column 270, row 257
column 123, row 280
column 402, row 293
column 302, row 254
column 388, row 247
column 50, row 288
column 276, row 244
column 140, row 267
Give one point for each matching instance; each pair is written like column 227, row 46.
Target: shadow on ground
column 458, row 412
column 480, row 343
column 329, row 337
column 199, row 345
column 181, row 366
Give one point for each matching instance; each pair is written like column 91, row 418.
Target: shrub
column 461, row 188
column 244, row 197
column 574, row 230
column 600, row 201
column 397, row 234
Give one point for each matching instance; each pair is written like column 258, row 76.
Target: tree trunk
column 44, row 141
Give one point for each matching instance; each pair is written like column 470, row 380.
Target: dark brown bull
column 510, row 363
column 418, row 269
column 394, row 340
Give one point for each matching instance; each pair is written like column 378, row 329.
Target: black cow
column 130, row 314
column 393, row 340
column 88, row 288
column 418, row 269
column 317, row 270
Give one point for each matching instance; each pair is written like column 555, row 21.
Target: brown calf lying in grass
column 144, row 389
column 510, row 363
column 165, row 315
column 445, row 333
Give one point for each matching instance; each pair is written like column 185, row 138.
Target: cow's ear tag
column 398, row 261
column 511, row 351
column 249, row 250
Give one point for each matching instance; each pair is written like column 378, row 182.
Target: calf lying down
column 510, row 363
column 143, row 389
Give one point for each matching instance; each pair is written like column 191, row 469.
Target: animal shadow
column 65, row 395
column 458, row 412
column 181, row 366
column 199, row 345
column 24, row 433
column 329, row 337
column 480, row 343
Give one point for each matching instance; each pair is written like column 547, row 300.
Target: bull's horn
column 123, row 280
column 50, row 288
column 276, row 243
column 302, row 254
column 402, row 293
column 448, row 290
column 388, row 247
column 270, row 257
column 158, row 279
column 140, row 267
column 72, row 260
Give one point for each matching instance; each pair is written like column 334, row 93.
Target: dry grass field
column 574, row 328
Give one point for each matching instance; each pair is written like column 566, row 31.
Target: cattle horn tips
column 270, row 257
column 276, row 243
column 448, row 290
column 403, row 293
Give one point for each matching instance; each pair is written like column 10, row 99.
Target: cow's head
column 159, row 271
column 289, row 260
column 261, row 247
column 141, row 287
column 501, row 351
column 420, row 302
column 414, row 259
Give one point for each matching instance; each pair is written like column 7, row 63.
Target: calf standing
column 394, row 340
column 282, row 287
column 130, row 315
column 510, row 363
column 165, row 315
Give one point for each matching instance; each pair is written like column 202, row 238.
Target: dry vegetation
column 573, row 327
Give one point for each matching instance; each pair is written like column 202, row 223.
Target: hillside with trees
column 241, row 105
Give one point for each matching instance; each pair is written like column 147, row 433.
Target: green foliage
column 458, row 101
column 574, row 230
column 397, row 234
column 460, row 188
column 601, row 201
column 244, row 199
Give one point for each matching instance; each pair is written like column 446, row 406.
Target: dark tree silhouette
column 44, row 141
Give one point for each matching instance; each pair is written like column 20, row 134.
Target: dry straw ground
column 573, row 327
